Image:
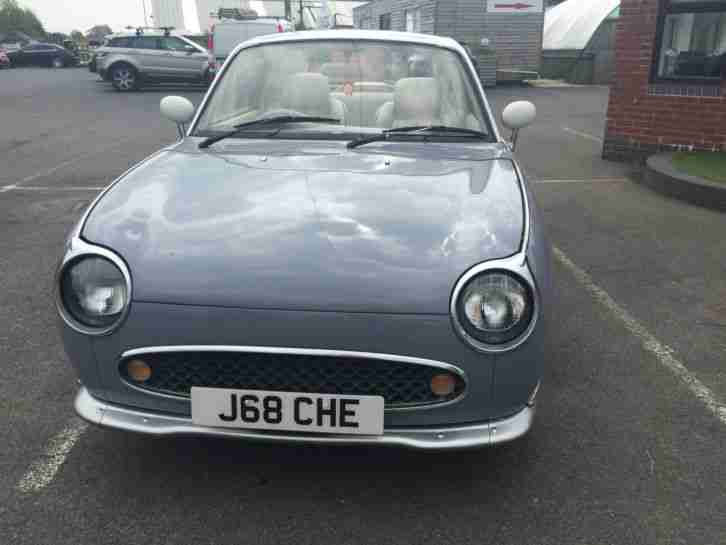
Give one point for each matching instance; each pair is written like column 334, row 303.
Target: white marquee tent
column 571, row 24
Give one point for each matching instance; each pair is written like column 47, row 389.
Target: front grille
column 401, row 384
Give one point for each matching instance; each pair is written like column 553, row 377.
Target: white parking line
column 584, row 135
column 42, row 471
column 662, row 352
column 43, row 173
column 56, row 168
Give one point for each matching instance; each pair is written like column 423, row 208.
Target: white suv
column 130, row 60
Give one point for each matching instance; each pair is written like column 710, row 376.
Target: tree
column 98, row 32
column 14, row 18
column 78, row 37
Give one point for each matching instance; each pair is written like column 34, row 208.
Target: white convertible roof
column 351, row 34
column 571, row 24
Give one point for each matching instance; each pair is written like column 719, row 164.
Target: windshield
column 366, row 85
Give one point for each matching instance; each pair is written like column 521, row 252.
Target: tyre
column 124, row 78
column 57, row 62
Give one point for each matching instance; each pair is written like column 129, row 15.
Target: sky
column 67, row 15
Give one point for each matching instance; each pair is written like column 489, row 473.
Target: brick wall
column 645, row 117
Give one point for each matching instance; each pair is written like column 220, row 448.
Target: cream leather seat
column 362, row 107
column 309, row 93
column 339, row 73
column 416, row 101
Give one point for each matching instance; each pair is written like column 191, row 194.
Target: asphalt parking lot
column 629, row 443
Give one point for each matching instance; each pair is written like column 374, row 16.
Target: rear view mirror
column 518, row 115
column 177, row 109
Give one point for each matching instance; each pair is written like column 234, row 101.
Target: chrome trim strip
column 482, row 434
column 514, row 265
column 75, row 249
column 533, row 396
column 527, row 218
column 303, row 352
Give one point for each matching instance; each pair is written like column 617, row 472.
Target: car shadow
column 156, row 461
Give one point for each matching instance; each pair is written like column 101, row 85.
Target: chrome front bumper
column 455, row 437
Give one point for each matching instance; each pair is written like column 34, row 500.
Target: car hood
column 326, row 230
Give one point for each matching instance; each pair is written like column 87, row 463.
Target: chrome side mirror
column 518, row 115
column 179, row 110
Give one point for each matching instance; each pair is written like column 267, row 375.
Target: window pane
column 371, row 85
column 146, row 42
column 120, row 42
column 413, row 20
column 693, row 46
column 686, row 2
column 173, row 44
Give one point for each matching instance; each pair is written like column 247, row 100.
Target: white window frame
column 413, row 19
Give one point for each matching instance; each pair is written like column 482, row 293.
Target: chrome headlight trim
column 514, row 265
column 76, row 249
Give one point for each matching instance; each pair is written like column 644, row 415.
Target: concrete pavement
column 622, row 452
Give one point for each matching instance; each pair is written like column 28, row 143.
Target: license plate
column 287, row 411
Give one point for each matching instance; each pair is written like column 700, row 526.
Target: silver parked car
column 132, row 59
column 355, row 262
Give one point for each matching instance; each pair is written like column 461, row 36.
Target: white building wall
column 205, row 7
column 167, row 13
column 270, row 8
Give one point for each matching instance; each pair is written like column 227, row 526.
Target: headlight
column 94, row 293
column 494, row 308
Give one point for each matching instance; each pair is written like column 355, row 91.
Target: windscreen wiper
column 416, row 130
column 265, row 121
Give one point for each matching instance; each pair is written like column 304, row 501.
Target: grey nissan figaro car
column 340, row 248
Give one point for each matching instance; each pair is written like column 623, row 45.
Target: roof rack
column 243, row 14
column 140, row 29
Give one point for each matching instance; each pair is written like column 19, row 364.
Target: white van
column 229, row 33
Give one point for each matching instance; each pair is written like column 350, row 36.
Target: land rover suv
column 133, row 59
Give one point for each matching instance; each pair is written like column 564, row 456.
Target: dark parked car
column 699, row 65
column 4, row 59
column 39, row 54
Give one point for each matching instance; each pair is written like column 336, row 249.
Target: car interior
column 414, row 89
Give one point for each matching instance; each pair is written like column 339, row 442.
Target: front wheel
column 57, row 63
column 124, row 78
